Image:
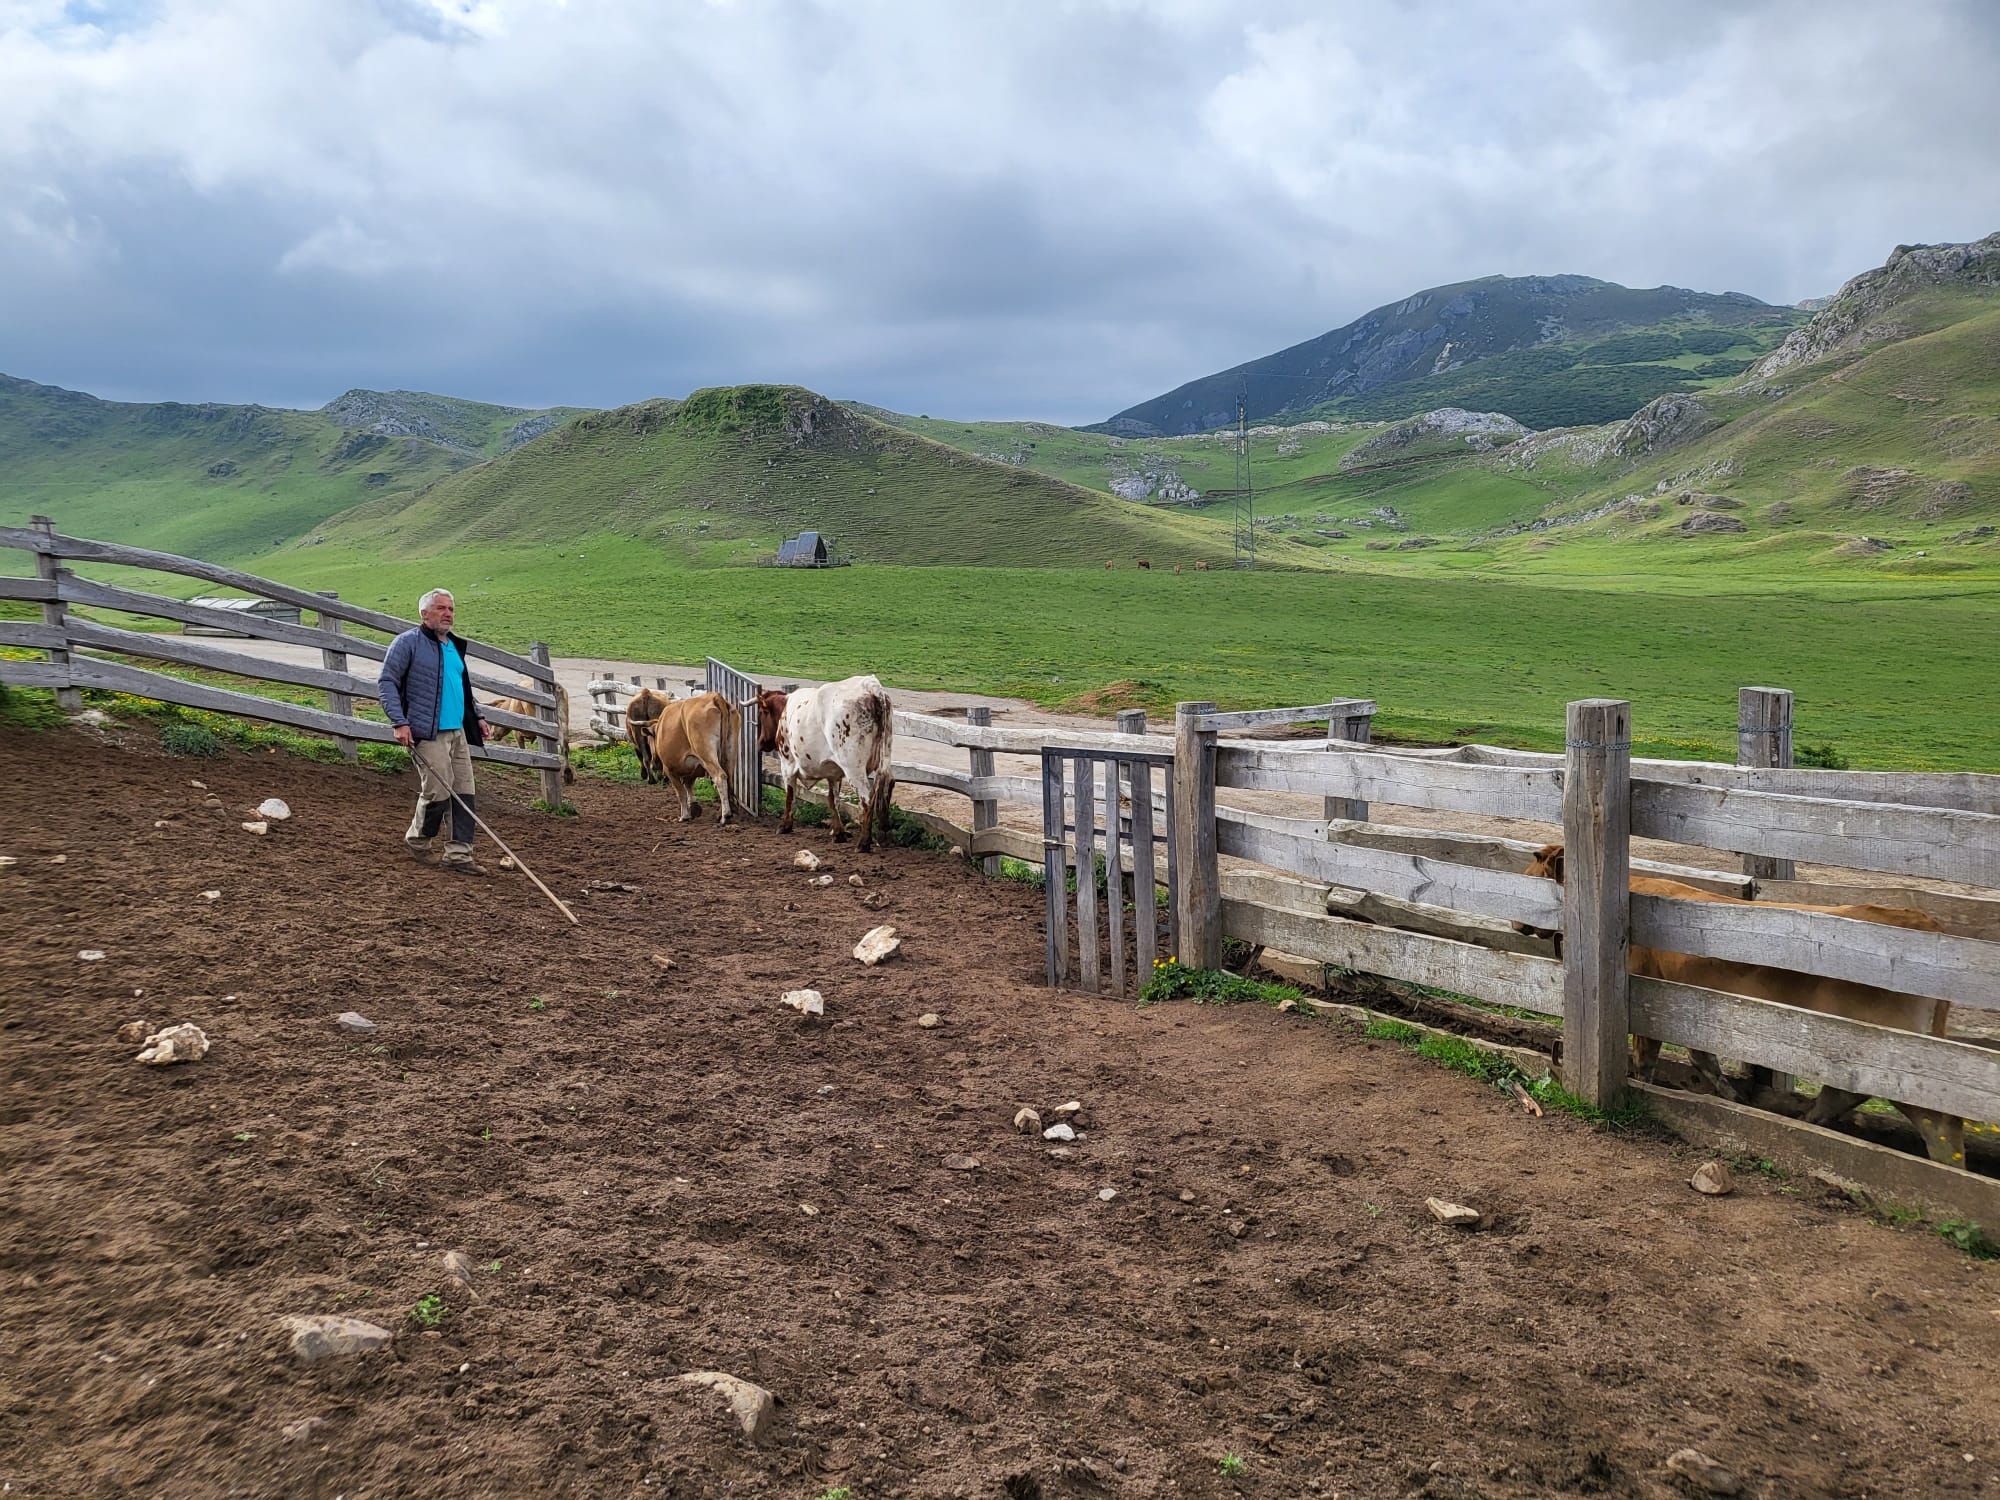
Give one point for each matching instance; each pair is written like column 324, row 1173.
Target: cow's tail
column 877, row 712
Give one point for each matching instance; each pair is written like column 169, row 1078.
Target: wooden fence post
column 1764, row 738
column 68, row 699
column 1352, row 729
column 1597, row 830
column 551, row 742
column 336, row 661
column 1130, row 721
column 1199, row 899
column 985, row 810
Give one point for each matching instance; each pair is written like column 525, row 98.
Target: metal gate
column 746, row 768
column 1075, row 784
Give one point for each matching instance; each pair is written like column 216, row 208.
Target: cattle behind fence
column 746, row 770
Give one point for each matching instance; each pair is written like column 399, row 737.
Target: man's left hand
column 485, row 730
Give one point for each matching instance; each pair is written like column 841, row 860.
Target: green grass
column 1170, row 980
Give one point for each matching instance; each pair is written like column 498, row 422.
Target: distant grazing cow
column 843, row 731
column 1144, row 564
column 1109, row 566
column 1944, row 1136
column 1177, row 570
column 529, row 710
column 1201, row 567
column 640, row 713
column 693, row 735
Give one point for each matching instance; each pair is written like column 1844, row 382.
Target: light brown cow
column 693, row 735
column 640, row 712
column 1944, row 1135
column 528, row 741
column 1200, row 567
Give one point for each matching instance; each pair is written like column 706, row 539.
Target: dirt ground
column 628, row 1162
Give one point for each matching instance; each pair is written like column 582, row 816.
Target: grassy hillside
column 723, row 476
column 216, row 481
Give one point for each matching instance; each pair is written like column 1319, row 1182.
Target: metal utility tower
column 1246, row 502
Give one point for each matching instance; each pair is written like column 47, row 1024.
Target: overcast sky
column 986, row 209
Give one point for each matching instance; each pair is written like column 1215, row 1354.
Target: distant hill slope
column 230, row 481
column 724, row 475
column 1548, row 351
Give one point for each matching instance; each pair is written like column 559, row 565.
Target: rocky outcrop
column 1707, row 521
column 1863, row 311
column 1478, row 431
column 1663, row 423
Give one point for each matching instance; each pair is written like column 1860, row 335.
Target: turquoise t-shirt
column 451, row 706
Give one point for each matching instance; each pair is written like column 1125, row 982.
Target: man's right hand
column 404, row 737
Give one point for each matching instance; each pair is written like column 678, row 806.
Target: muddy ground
column 628, row 1162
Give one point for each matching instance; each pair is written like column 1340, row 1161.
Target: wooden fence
column 82, row 652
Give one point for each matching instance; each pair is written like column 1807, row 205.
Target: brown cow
column 1177, row 570
column 770, row 710
column 640, row 713
column 1944, row 1135
column 1200, row 567
column 693, row 735
column 1109, row 566
column 1146, row 565
column 528, row 741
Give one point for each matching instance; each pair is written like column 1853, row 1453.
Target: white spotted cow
column 841, row 731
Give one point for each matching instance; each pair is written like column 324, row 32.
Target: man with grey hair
column 427, row 694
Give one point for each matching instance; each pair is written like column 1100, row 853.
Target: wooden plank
column 1879, row 1061
column 34, row 674
column 95, row 672
column 1355, row 728
column 43, row 531
column 1145, row 898
column 42, row 589
column 1370, row 776
column 1764, row 739
column 1055, row 906
column 1261, row 718
column 1198, row 903
column 89, row 591
column 1933, row 843
column 1114, row 880
column 1596, row 873
column 1407, row 877
column 1965, row 971
column 550, row 741
column 908, row 774
column 1173, row 864
column 1968, row 916
column 1089, row 970
column 1492, row 853
column 24, row 633
column 1515, row 979
column 77, row 548
column 338, row 702
column 1022, row 741
column 985, row 810
column 212, row 658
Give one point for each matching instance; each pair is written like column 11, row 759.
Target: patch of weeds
column 1027, row 874
column 1171, row 980
column 486, row 1133
column 1550, row 1093
column 190, row 740
column 538, row 1004
column 1897, row 1215
column 1475, row 1062
column 561, row 810
column 27, row 708
column 1232, row 1466
column 430, row 1311
column 613, row 762
column 1969, row 1237
column 243, row 1135
column 836, row 1492
column 1374, row 1210
column 493, row 1266
column 804, row 814
column 1762, row 1165
column 1382, row 1029
column 1823, row 757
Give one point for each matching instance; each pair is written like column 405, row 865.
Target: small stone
column 160, row 823
column 58, row 859
column 1455, row 1214
column 1237, row 1229
column 854, row 880
column 94, row 718
column 211, row 895
column 1105, row 1195
column 260, row 826
column 92, row 955
column 353, row 1021
column 961, row 1164
column 821, row 880
column 805, row 859
column 874, row 900
column 1704, row 1472
column 805, row 1002
column 877, row 944
column 327, row 1336
column 1068, row 1111
column 957, row 851
column 458, row 1266
column 808, row 1210
column 930, row 1020
column 1712, row 1178
column 1060, row 1153
column 662, row 959
column 134, row 1032
column 8, row 861
column 1027, row 1120
column 507, row 862
column 200, row 786
column 1060, row 1131
column 273, row 808
column 291, row 1432
column 750, row 1404
column 176, row 1044
column 211, row 800
column 1187, row 1195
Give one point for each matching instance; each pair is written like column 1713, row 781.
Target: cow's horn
column 747, row 702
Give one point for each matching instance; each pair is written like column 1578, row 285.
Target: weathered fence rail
column 83, row 652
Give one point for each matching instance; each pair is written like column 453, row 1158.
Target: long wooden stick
column 523, row 864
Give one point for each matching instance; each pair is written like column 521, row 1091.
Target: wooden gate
column 1075, row 784
column 746, row 769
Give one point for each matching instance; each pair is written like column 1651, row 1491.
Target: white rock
column 821, row 880
column 160, row 823
column 94, row 718
column 92, row 955
column 328, row 1336
column 805, row 859
column 1027, row 1119
column 1704, row 1472
column 274, row 809
column 853, row 880
column 183, row 1043
column 1105, row 1195
column 1455, row 1214
column 750, row 1404
column 506, row 861
column 134, row 1032
column 260, row 826
column 8, row 861
column 353, row 1021
column 1712, row 1178
column 805, row 1002
column 293, row 1431
column 211, row 895
column 877, row 944
column 1059, row 1131
column 58, row 859
column 930, row 1020
column 1068, row 1111
column 458, row 1266
column 808, row 1210
column 199, row 785
column 961, row 1164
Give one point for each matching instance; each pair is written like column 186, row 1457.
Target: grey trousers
column 444, row 766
